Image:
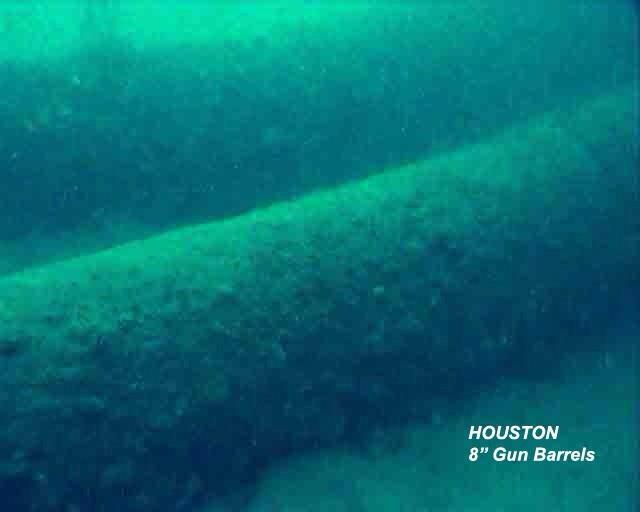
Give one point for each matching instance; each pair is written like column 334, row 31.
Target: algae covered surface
column 251, row 249
column 258, row 327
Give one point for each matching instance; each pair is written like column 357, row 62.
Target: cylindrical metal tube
column 275, row 326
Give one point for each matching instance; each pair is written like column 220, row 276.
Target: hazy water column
column 100, row 16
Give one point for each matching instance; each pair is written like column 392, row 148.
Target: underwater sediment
column 221, row 344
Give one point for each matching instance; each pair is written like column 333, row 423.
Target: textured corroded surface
column 277, row 326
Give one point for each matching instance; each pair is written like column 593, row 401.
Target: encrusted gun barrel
column 259, row 327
